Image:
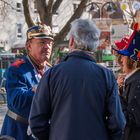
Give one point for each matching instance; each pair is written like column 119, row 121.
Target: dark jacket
column 21, row 76
column 77, row 100
column 131, row 106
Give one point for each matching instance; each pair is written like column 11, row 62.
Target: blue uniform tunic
column 21, row 77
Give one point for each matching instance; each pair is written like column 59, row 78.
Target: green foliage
column 58, row 54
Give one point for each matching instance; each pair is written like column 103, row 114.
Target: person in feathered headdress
column 130, row 59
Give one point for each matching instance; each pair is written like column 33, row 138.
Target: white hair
column 85, row 33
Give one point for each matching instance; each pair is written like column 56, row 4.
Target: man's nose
column 46, row 46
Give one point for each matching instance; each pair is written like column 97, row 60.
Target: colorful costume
column 21, row 77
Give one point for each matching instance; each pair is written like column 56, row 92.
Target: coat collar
column 32, row 68
column 80, row 54
column 133, row 77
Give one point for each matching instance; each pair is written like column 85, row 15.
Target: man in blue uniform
column 22, row 78
column 78, row 99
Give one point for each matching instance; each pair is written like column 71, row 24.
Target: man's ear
column 72, row 42
column 28, row 45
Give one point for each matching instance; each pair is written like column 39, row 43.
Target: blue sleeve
column 41, row 109
column 115, row 117
column 19, row 92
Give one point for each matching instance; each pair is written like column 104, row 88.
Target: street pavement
column 3, row 109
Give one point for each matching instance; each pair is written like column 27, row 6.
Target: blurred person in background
column 120, row 45
column 22, row 77
column 130, row 97
column 78, row 99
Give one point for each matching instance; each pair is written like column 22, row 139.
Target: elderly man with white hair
column 78, row 99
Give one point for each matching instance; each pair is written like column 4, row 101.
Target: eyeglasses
column 43, row 43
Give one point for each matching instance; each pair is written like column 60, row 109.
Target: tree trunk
column 27, row 16
column 44, row 13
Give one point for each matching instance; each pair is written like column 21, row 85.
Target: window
column 18, row 7
column 19, row 30
column 55, row 29
column 35, row 7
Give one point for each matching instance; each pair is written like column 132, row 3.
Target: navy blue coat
column 77, row 100
column 20, row 78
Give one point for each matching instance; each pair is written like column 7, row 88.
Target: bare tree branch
column 8, row 4
column 50, row 4
column 56, row 6
column 131, row 12
column 66, row 28
column 128, row 13
column 27, row 15
column 49, row 8
column 5, row 7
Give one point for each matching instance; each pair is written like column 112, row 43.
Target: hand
column 34, row 89
column 29, row 132
column 120, row 80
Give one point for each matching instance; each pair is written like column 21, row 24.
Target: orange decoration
column 18, row 62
